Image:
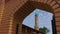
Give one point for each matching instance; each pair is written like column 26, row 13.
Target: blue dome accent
column 36, row 13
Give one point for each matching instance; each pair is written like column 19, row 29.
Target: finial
column 36, row 13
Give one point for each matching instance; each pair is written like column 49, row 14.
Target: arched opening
column 44, row 20
column 24, row 11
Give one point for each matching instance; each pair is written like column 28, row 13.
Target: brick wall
column 16, row 10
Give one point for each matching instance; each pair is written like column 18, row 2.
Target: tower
column 36, row 22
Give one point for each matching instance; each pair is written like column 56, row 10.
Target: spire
column 36, row 21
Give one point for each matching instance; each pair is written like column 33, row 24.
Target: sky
column 44, row 19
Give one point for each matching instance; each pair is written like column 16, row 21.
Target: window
column 45, row 19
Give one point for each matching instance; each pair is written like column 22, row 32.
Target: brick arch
column 28, row 7
column 15, row 17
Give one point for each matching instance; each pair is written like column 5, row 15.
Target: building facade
column 13, row 12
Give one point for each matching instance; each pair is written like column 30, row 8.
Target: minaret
column 36, row 22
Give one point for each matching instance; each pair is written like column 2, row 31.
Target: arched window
column 45, row 19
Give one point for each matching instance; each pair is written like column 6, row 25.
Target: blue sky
column 44, row 19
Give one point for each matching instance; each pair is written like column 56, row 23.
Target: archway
column 11, row 17
column 28, row 7
column 44, row 20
